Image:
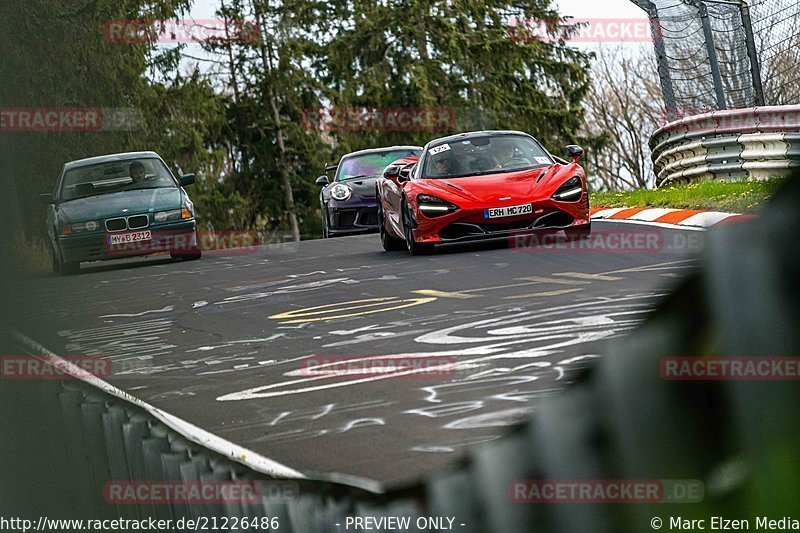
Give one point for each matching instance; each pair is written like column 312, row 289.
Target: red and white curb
column 687, row 218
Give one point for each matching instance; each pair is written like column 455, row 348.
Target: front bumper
column 470, row 225
column 353, row 220
column 180, row 237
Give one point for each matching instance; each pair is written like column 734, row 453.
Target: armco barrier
column 619, row 420
column 758, row 142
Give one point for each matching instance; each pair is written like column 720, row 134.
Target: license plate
column 510, row 211
column 133, row 236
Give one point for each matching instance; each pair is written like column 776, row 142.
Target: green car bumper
column 178, row 238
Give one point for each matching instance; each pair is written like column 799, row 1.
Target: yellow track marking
column 323, row 312
column 557, row 281
column 540, row 294
column 443, row 294
column 581, row 275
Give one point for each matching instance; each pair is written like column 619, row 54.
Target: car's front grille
column 554, row 219
column 116, row 224
column 469, row 230
column 368, row 218
column 346, row 217
column 138, row 221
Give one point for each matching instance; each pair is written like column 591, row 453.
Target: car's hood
column 364, row 187
column 491, row 188
column 112, row 204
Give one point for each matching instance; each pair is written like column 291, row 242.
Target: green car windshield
column 115, row 176
column 371, row 164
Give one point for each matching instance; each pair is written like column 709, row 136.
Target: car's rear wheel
column 413, row 247
column 389, row 242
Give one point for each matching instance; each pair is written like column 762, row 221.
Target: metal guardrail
column 758, row 142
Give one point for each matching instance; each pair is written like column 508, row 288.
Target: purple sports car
column 348, row 203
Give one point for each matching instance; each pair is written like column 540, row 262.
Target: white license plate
column 133, row 236
column 510, row 211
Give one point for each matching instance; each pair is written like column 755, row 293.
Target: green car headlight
column 173, row 214
column 82, row 227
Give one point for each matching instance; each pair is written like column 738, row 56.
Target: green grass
column 730, row 196
column 29, row 255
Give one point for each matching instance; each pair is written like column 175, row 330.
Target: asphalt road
column 224, row 342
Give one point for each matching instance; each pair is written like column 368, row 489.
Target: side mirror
column 403, row 177
column 46, row 198
column 574, row 152
column 391, row 172
column 322, row 181
column 187, row 179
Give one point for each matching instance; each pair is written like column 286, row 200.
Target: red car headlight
column 432, row 207
column 570, row 191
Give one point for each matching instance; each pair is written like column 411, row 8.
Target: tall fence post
column 755, row 68
column 661, row 57
column 713, row 60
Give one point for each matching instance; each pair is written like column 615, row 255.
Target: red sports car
column 480, row 185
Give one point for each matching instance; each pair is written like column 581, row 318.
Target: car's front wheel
column 326, row 234
column 65, row 268
column 578, row 233
column 190, row 253
column 413, row 247
column 389, row 242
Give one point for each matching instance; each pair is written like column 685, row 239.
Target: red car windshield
column 371, row 164
column 484, row 155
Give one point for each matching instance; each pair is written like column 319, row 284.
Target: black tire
column 187, row 257
column 390, row 243
column 326, row 234
column 413, row 247
column 55, row 263
column 581, row 232
column 65, row 268
column 192, row 254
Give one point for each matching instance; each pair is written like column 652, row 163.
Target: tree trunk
column 283, row 160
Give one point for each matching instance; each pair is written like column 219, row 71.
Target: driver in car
column 137, row 172
column 442, row 165
column 506, row 156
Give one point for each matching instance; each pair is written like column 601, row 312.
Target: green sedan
column 119, row 205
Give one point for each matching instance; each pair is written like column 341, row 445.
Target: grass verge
column 729, row 196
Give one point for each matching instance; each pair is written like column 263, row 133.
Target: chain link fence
column 725, row 54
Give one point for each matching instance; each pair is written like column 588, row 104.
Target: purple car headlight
column 340, row 192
